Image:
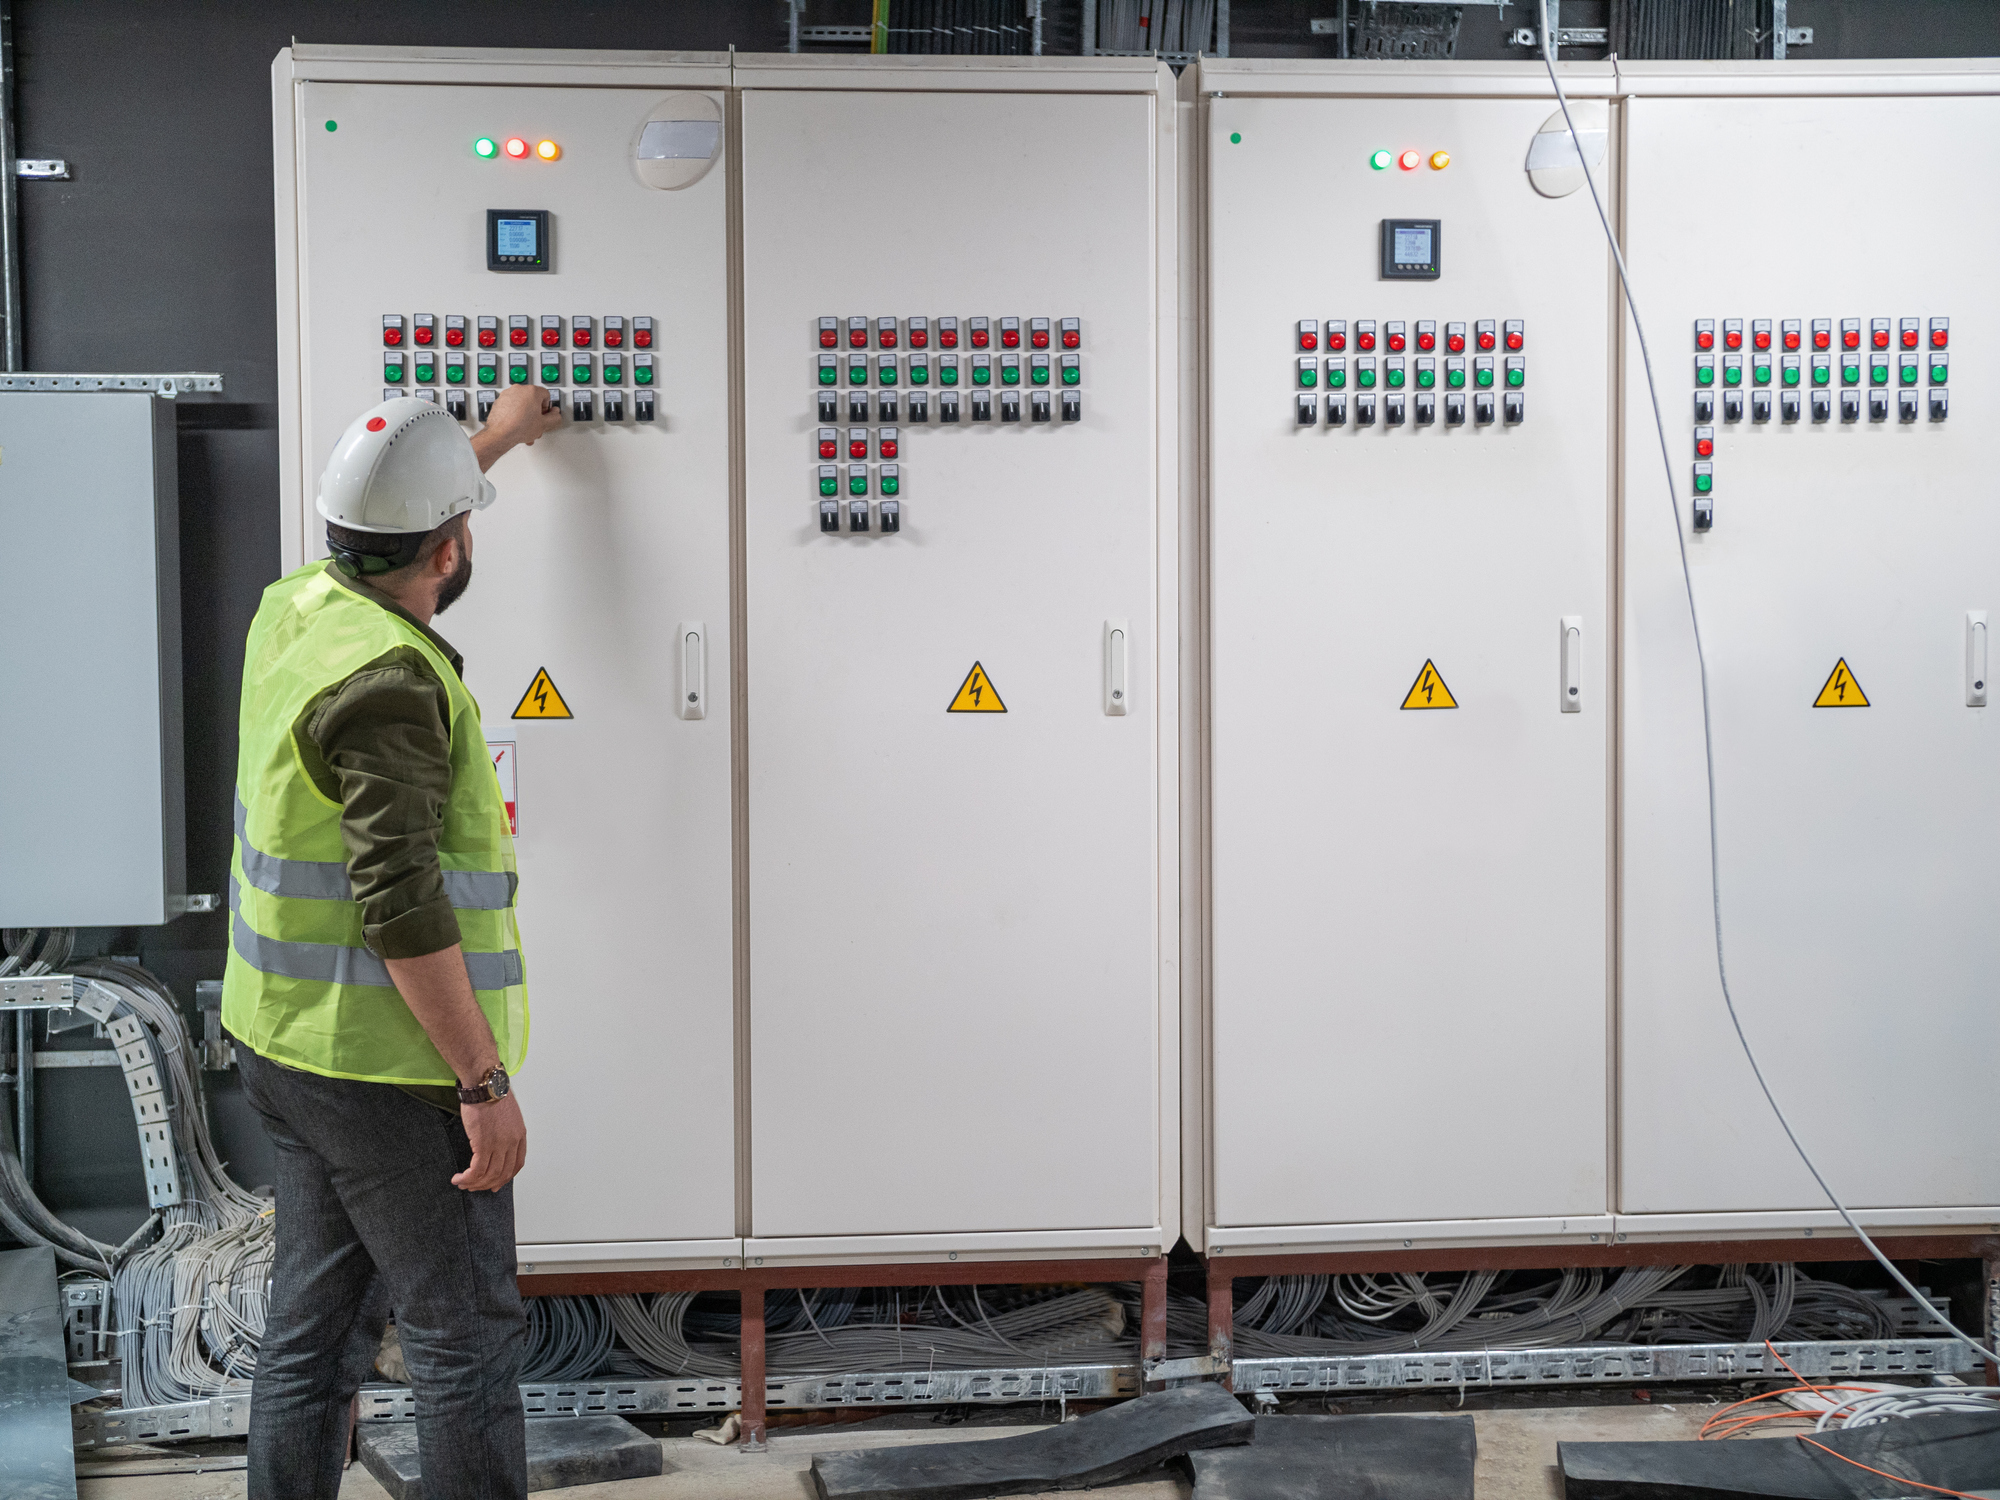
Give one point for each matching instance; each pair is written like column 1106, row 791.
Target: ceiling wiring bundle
column 1406, row 1313
column 1707, row 707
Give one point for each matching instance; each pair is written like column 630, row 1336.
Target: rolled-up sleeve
column 382, row 740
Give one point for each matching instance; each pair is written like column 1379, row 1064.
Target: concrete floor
column 1517, row 1455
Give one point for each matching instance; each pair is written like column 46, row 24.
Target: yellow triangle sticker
column 1841, row 690
column 542, row 701
column 976, row 695
column 1429, row 691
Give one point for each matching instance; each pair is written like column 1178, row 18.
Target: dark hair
column 376, row 553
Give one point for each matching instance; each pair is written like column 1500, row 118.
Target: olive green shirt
column 378, row 742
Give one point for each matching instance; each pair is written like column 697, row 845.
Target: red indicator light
column 1010, row 338
column 827, row 338
column 857, row 338
column 1704, row 448
column 642, row 338
column 888, row 447
column 1039, row 338
column 488, row 338
column 1513, row 341
column 920, row 338
column 1704, row 341
column 1822, row 340
column 858, row 449
column 829, row 449
column 1455, row 344
column 1409, row 161
column 1395, row 343
column 518, row 337
column 454, row 337
column 1881, row 338
column 1791, row 341
column 551, row 337
column 1364, row 340
column 887, row 338
column 1909, row 338
column 1071, row 338
column 1851, row 339
column 1763, row 340
column 979, row 337
column 1939, row 338
column 515, row 147
column 1486, row 341
column 580, row 337
column 948, row 338
column 1336, row 341
column 424, row 333
column 1426, row 341
column 1732, row 341
column 392, row 336
column 1308, row 341
column 376, row 424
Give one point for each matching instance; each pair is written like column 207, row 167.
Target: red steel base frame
column 753, row 1281
column 1223, row 1271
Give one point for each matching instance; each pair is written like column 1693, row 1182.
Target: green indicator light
column 919, row 374
column 1703, row 483
column 1791, row 375
column 1380, row 161
column 829, row 486
column 858, row 485
column 886, row 375
column 1071, row 374
column 1426, row 379
column 1482, row 377
column 1308, row 377
column 1732, row 374
column 579, row 374
column 1704, row 374
column 1821, row 374
column 1761, row 373
column 857, row 374
column 1517, row 377
column 643, row 375
column 551, row 374
column 517, row 374
column 1878, row 374
column 392, row 373
column 1336, row 378
column 1039, row 375
column 1850, row 373
column 614, row 374
column 426, row 373
column 981, row 375
column 948, row 375
column 1395, row 380
column 332, row 125
column 891, row 484
column 1235, row 138
column 1938, row 373
column 1010, row 375
column 489, row 374
column 1454, row 378
column 485, row 146
column 1909, row 374
column 1366, row 377
column 827, row 375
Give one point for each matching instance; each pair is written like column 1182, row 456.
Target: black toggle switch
column 829, row 517
column 1704, row 512
column 1850, row 406
column 1010, row 406
column 857, row 515
column 947, row 406
column 614, row 406
column 829, row 406
column 1308, row 410
column 1072, row 406
column 1940, row 403
column 892, row 517
column 486, row 400
column 982, row 406
column 1822, row 406
column 919, row 407
column 1790, row 406
column 857, row 406
column 1906, row 406
column 1732, row 406
column 1364, row 411
column 1454, row 409
column 885, row 407
column 642, row 406
column 1514, row 406
column 580, row 404
column 1336, row 411
column 1760, row 406
column 1482, row 408
column 1878, row 406
column 1040, row 408
column 1392, row 411
column 454, row 402
column 1704, row 407
column 1427, row 409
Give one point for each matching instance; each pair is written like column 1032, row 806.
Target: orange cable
column 1936, row 1489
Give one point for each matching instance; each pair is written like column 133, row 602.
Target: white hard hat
column 403, row 466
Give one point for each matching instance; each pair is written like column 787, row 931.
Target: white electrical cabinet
column 1810, row 249
column 601, row 595
column 1408, row 422
column 959, row 582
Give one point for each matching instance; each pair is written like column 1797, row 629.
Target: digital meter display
column 1410, row 249
column 517, row 239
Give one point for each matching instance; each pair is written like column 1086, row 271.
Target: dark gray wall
column 158, row 256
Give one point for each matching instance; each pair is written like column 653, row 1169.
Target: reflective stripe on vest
column 326, row 880
column 332, row 963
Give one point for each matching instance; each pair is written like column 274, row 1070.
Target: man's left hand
column 520, row 414
column 499, row 1139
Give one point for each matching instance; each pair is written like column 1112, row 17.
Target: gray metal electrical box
column 90, row 656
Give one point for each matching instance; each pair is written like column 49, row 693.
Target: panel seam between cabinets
column 1202, row 916
column 739, row 673
column 1614, row 635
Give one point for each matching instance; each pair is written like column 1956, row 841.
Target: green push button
column 1010, row 374
column 891, row 484
column 1878, row 374
column 454, row 374
column 426, row 373
column 1850, row 372
column 1938, row 374
column 392, row 372
column 829, row 486
column 981, row 375
column 948, row 375
column 1821, row 374
column 1791, row 373
column 1517, row 377
column 579, row 372
column 857, row 484
column 1909, row 372
column 920, row 373
column 1071, row 374
column 551, row 372
column 1703, row 483
column 1308, row 377
column 489, row 374
column 857, row 372
column 827, row 375
column 1482, row 377
column 1426, row 379
column 642, row 374
column 1761, row 372
column 1366, row 377
column 1396, row 377
column 1454, row 378
column 1336, row 377
column 1732, row 374
column 885, row 373
column 614, row 373
column 1039, row 375
column 517, row 374
column 1704, row 372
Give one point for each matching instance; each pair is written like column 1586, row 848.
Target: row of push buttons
column 915, row 407
column 1791, row 368
column 583, row 331
column 1909, row 332
column 424, row 364
column 583, row 404
column 1487, row 333
column 978, row 368
column 977, row 332
column 1420, row 410
column 1395, row 376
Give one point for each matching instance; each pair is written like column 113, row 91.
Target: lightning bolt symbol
column 542, row 695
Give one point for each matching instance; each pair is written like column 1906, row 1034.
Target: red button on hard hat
column 376, row 424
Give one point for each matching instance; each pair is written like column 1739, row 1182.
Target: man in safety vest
column 375, row 984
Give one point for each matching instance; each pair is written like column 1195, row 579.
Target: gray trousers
column 368, row 1220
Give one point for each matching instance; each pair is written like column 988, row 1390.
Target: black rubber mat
column 1951, row 1450
column 1384, row 1457
column 1107, row 1445
column 562, row 1451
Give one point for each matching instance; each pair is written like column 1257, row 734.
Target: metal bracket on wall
column 44, row 168
column 1566, row 36
column 170, row 386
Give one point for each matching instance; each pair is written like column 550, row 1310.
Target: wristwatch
column 493, row 1086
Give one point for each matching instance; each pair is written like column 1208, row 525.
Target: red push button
column 1788, row 333
column 1850, row 333
column 423, row 328
column 920, row 333
column 1878, row 332
column 1704, row 442
column 1010, row 333
column 489, row 332
column 1910, row 333
column 517, row 330
column 1732, row 333
column 1484, row 333
column 642, row 333
column 1940, row 332
column 614, row 331
column 885, row 333
column 454, row 330
column 1515, row 333
column 1822, row 333
column 857, row 333
column 1072, row 332
column 1704, row 333
column 1427, row 336
column 829, row 443
column 1336, row 334
column 581, row 330
column 1394, row 333
column 980, row 334
column 1038, row 333
column 947, row 333
column 392, row 329
column 551, row 331
column 1454, row 338
column 1760, row 333
column 1308, row 334
column 829, row 333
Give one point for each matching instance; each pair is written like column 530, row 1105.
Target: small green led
column 1938, row 373
column 1878, row 372
column 642, row 374
column 1791, row 374
column 517, row 374
column 1308, row 376
column 1380, row 161
column 829, row 485
column 1483, row 375
column 1516, row 376
column 1366, row 376
column 885, row 372
column 1909, row 371
column 1704, row 372
column 426, row 372
column 920, row 372
column 332, row 125
column 1850, row 372
column 1760, row 372
column 485, row 146
column 1455, row 377
column 614, row 371
column 1426, row 377
column 392, row 371
column 1071, row 373
column 579, row 372
column 948, row 373
column 489, row 374
column 1732, row 374
column 1336, row 374
column 857, row 372
column 981, row 374
column 1703, row 483
column 1039, row 374
column 891, row 484
column 1396, row 377
column 1010, row 374
column 857, row 484
column 454, row 372
column 1821, row 374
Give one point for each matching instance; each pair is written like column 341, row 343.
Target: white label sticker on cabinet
column 502, row 752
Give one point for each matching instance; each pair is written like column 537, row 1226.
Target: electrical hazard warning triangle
column 542, row 701
column 1429, row 691
column 976, row 695
column 1841, row 690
